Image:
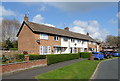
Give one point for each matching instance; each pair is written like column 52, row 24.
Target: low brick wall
column 8, row 68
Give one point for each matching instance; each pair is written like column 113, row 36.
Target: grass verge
column 80, row 70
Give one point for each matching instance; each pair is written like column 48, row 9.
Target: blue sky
column 99, row 19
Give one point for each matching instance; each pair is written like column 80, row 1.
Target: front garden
column 51, row 59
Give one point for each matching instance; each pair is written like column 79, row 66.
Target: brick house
column 41, row 39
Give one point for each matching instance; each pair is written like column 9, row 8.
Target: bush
column 4, row 58
column 20, row 56
column 51, row 59
column 13, row 48
column 25, row 52
column 36, row 57
column 7, row 44
column 85, row 54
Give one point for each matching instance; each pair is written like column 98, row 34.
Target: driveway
column 107, row 70
column 31, row 73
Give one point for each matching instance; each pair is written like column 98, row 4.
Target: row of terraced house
column 41, row 39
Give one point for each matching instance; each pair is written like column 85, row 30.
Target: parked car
column 98, row 55
column 107, row 54
column 116, row 54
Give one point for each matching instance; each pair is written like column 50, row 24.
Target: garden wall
column 8, row 68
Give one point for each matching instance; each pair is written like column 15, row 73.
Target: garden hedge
column 13, row 48
column 20, row 56
column 85, row 54
column 36, row 57
column 31, row 56
column 55, row 58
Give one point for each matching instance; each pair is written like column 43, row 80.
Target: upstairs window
column 65, row 39
column 82, row 42
column 72, row 40
column 44, row 36
column 79, row 41
column 56, row 38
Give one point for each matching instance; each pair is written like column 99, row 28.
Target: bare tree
column 112, row 40
column 9, row 29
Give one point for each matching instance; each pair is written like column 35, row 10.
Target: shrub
column 4, row 59
column 36, row 57
column 85, row 54
column 25, row 52
column 20, row 56
column 13, row 48
column 51, row 59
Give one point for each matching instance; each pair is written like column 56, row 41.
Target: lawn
column 80, row 70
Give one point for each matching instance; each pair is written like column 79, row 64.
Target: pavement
column 31, row 73
column 107, row 70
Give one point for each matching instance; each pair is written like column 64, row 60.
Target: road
column 107, row 70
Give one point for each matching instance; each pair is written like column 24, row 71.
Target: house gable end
column 22, row 27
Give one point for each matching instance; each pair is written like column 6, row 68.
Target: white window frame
column 56, row 50
column 72, row 40
column 45, row 50
column 65, row 38
column 44, row 36
column 79, row 41
column 56, row 38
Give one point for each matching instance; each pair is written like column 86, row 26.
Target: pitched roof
column 51, row 30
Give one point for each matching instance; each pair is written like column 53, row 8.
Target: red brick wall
column 21, row 66
column 50, row 42
column 26, row 41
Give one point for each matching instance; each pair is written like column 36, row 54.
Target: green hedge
column 13, row 48
column 51, row 59
column 85, row 54
column 36, row 57
column 31, row 56
column 20, row 56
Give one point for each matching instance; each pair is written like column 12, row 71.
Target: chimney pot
column 87, row 33
column 26, row 18
column 67, row 28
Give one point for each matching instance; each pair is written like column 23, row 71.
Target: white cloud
column 93, row 27
column 49, row 24
column 78, row 29
column 43, row 8
column 80, row 23
column 112, row 21
column 6, row 12
column 38, row 18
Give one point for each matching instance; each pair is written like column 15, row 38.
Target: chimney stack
column 67, row 29
column 26, row 18
column 87, row 33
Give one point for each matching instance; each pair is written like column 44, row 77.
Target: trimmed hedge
column 36, row 57
column 51, row 59
column 85, row 54
column 31, row 56
column 20, row 56
column 13, row 48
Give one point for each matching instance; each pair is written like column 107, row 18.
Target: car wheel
column 107, row 57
